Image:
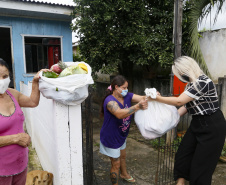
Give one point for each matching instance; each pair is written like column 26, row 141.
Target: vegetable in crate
column 73, row 69
column 59, row 67
column 49, row 74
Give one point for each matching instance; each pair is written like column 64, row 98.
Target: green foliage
column 78, row 57
column 161, row 143
column 185, row 27
column 223, row 153
column 203, row 30
column 155, row 143
column 116, row 34
column 97, row 144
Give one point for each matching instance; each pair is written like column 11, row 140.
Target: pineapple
column 62, row 65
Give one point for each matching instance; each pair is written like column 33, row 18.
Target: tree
column 78, row 57
column 200, row 9
column 120, row 34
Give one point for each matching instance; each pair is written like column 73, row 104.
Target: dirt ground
column 142, row 161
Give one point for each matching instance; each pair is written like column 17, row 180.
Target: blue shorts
column 111, row 152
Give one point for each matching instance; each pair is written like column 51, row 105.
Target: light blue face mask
column 124, row 92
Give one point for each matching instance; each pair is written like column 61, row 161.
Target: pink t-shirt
column 13, row 158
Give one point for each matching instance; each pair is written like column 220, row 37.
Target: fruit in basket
column 71, row 70
column 59, row 67
column 50, row 74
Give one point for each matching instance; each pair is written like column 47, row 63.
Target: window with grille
column 41, row 52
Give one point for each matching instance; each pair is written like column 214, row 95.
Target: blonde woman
column 200, row 149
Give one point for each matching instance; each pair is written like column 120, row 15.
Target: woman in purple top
column 117, row 111
column 13, row 140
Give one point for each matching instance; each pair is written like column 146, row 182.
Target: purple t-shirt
column 114, row 131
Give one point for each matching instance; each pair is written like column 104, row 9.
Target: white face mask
column 4, row 84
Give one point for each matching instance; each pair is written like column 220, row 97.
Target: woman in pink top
column 13, row 140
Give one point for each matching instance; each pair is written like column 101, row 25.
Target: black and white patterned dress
column 205, row 98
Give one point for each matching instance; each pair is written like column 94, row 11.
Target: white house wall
column 213, row 46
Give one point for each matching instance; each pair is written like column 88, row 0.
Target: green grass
column 97, row 144
column 155, row 143
column 161, row 143
column 34, row 163
column 223, row 153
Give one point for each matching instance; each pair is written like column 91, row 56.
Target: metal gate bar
column 88, row 138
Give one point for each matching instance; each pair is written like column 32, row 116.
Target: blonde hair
column 185, row 65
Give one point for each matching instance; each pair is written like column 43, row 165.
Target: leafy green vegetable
column 78, row 70
column 75, row 69
column 49, row 74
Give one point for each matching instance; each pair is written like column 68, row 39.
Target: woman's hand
column 37, row 77
column 33, row 100
column 23, row 139
column 143, row 104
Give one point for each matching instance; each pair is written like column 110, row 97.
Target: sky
column 68, row 2
column 208, row 23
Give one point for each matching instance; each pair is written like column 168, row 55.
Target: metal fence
column 168, row 145
column 88, row 140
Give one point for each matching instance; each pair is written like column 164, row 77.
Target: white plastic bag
column 157, row 119
column 69, row 90
column 140, row 119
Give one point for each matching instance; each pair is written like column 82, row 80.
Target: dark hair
column 3, row 63
column 118, row 80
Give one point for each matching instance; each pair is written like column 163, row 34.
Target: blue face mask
column 124, row 92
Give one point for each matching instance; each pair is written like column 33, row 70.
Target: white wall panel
column 56, row 132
